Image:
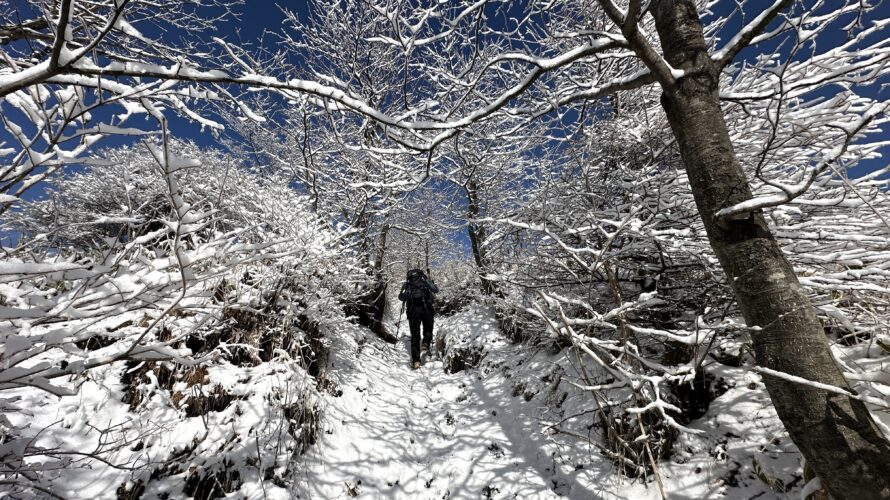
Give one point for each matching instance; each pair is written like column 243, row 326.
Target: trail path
column 398, row 433
column 402, row 433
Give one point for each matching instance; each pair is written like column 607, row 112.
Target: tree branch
column 628, row 24
column 743, row 38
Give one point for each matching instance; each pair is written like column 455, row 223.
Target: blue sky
column 257, row 16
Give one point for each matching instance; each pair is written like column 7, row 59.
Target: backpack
column 416, row 290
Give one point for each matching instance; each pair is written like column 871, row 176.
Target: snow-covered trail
column 394, row 432
column 402, row 433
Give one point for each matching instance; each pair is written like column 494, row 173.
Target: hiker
column 417, row 294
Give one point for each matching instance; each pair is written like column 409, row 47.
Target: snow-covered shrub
column 175, row 313
column 610, row 257
column 607, row 276
column 124, row 196
column 458, row 284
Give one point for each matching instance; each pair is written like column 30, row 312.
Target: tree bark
column 377, row 303
column 835, row 433
column 476, row 233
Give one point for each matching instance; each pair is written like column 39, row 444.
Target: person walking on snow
column 417, row 294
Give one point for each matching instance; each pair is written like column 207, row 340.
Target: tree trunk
column 369, row 307
column 476, row 233
column 377, row 303
column 835, row 433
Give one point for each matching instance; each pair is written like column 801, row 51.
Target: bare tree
column 466, row 63
column 563, row 53
column 835, row 432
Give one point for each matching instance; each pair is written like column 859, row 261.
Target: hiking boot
column 425, row 346
column 416, row 365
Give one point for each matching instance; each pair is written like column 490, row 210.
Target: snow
column 513, row 425
column 880, row 403
column 17, row 268
column 398, row 433
column 734, row 43
column 9, row 80
column 486, row 418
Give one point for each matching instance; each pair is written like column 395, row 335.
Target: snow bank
column 463, row 340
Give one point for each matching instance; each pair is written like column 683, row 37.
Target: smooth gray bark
column 835, row 433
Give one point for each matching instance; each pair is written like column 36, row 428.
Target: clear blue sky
column 257, row 16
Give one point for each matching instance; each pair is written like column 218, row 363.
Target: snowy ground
column 387, row 431
column 480, row 433
column 400, row 433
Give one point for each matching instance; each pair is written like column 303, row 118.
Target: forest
column 659, row 230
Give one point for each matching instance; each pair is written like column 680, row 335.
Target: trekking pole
column 399, row 321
